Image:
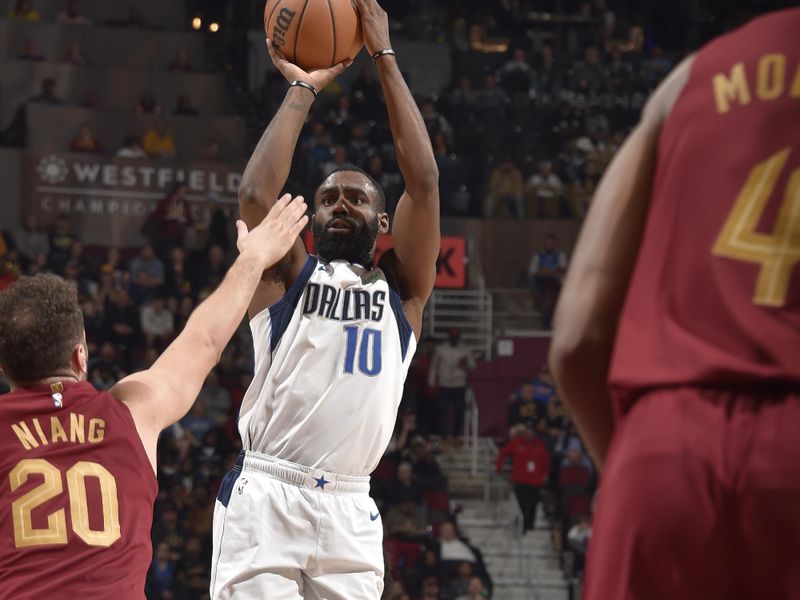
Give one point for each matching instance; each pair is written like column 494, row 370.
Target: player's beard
column 356, row 246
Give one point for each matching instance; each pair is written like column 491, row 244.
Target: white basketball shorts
column 283, row 531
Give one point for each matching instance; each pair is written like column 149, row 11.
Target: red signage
column 451, row 269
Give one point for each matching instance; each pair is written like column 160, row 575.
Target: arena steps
column 522, row 567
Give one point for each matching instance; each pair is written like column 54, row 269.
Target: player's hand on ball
column 374, row 25
column 274, row 236
column 319, row 78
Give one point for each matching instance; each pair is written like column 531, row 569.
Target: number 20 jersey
column 715, row 294
column 330, row 360
column 76, row 496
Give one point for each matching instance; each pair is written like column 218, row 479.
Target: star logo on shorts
column 321, row 482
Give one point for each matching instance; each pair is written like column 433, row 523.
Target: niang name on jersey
column 343, row 305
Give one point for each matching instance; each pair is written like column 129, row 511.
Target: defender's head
column 349, row 213
column 41, row 332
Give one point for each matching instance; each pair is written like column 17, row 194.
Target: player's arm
column 165, row 392
column 415, row 230
column 591, row 301
column 268, row 168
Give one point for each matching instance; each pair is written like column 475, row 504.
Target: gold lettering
column 731, row 88
column 795, row 91
column 57, row 433
column 771, row 76
column 40, row 432
column 25, row 436
column 76, row 428
column 96, row 431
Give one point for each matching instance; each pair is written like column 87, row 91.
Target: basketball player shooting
column 334, row 337
column 684, row 297
column 78, row 465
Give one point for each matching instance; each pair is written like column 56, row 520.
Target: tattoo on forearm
column 296, row 106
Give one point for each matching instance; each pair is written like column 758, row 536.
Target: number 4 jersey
column 77, row 496
column 330, row 361
column 715, row 294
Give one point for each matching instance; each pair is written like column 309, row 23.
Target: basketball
column 314, row 34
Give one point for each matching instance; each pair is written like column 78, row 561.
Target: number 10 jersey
column 330, row 360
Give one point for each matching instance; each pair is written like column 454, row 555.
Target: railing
column 469, row 311
column 471, row 415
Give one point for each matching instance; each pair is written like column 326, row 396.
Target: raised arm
column 415, row 230
column 164, row 393
column 591, row 302
column 268, row 168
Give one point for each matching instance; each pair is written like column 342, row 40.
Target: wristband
column 303, row 84
column 384, row 52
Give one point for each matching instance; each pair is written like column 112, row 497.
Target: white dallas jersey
column 331, row 357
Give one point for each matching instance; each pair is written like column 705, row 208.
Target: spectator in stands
column 406, row 521
column 547, row 77
column 337, row 161
column 181, row 62
column 546, row 272
column 544, row 388
column 435, row 122
column 430, row 589
column 185, row 106
column 590, row 69
column 122, row 321
column 458, row 586
column 75, row 54
column 192, row 571
column 452, row 362
column 158, row 142
column 31, row 241
column 544, row 193
column 453, row 551
column 30, row 51
column 490, row 96
column 523, row 410
column 216, row 399
column 61, row 241
column 212, row 151
column 504, row 196
column 23, row 11
column 359, row 147
column 71, row 14
column 515, row 75
column 85, row 141
column 365, row 95
column 197, row 423
column 159, row 580
column 147, row 104
column 578, row 539
column 530, row 469
column 176, row 279
column 580, row 193
column 209, row 273
column 158, row 323
column 427, row 471
column 48, row 93
column 147, row 269
column 475, row 591
column 404, row 486
column 131, row 148
column 463, row 94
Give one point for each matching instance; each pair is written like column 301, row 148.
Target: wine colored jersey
column 76, row 496
column 715, row 294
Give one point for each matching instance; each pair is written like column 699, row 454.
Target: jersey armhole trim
column 403, row 326
column 281, row 312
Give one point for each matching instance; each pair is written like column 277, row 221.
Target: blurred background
column 124, row 129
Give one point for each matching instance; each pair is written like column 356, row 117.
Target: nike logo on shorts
column 374, row 517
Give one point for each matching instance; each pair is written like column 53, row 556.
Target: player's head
column 41, row 331
column 349, row 213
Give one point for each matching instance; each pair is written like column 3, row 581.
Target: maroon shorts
column 700, row 499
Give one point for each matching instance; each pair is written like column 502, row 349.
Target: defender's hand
column 374, row 25
column 319, row 78
column 274, row 236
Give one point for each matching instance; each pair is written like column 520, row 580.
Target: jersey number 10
column 369, row 351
